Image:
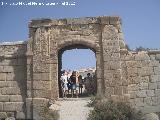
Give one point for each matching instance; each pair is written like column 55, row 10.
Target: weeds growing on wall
column 109, row 110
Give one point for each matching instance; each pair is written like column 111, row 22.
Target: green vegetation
column 47, row 114
column 109, row 110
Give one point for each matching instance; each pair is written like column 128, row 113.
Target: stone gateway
column 29, row 71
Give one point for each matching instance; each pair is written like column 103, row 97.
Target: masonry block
column 152, row 86
column 13, row 106
column 141, row 94
column 4, row 98
column 150, row 93
column 1, row 106
column 16, row 98
column 20, row 115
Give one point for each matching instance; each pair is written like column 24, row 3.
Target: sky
column 140, row 19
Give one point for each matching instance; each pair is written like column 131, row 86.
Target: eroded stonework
column 29, row 71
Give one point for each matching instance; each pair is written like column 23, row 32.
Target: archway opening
column 78, row 61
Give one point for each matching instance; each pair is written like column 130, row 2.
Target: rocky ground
column 72, row 108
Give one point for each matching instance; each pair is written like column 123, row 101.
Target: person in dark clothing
column 74, row 82
column 80, row 84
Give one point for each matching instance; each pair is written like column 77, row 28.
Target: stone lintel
column 112, row 20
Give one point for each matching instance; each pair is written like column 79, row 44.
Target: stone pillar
column 99, row 74
column 38, row 74
column 111, row 58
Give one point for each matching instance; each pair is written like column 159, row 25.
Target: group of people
column 75, row 83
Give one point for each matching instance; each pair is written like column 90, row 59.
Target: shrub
column 94, row 100
column 109, row 110
column 47, row 114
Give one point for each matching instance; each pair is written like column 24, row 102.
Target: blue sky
column 140, row 18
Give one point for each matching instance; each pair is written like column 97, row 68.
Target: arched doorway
column 48, row 37
column 81, row 72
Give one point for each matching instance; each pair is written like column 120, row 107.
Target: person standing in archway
column 80, row 84
column 64, row 80
column 88, row 83
column 75, row 83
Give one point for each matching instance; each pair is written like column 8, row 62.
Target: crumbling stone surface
column 150, row 116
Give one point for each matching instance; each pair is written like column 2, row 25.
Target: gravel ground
column 73, row 108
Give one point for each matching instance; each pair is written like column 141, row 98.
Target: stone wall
column 141, row 70
column 13, row 78
column 29, row 72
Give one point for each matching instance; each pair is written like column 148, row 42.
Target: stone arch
column 94, row 47
column 64, row 47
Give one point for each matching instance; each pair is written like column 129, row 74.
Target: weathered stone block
column 105, row 20
column 132, row 94
column 2, row 84
column 20, row 115
column 38, row 104
column 1, row 69
column 42, row 93
column 150, row 93
column 155, row 78
column 133, row 87
column 142, row 56
column 112, row 65
column 141, row 93
column 152, row 86
column 115, row 98
column 16, row 98
column 154, row 63
column 148, row 101
column 11, row 91
column 125, row 89
column 132, row 71
column 1, row 106
column 41, row 76
column 157, row 56
column 39, row 85
column 10, row 76
column 29, row 107
column 8, row 84
column 155, row 101
column 36, row 76
column 145, row 71
column 158, row 85
column 45, row 76
column 144, row 79
column 129, row 57
column 4, row 98
column 139, row 102
column 13, row 106
column 8, row 69
column 13, row 84
column 114, row 20
column 157, row 92
column 143, row 86
column 134, row 79
column 132, row 64
column 118, row 90
column 2, row 76
column 109, row 91
column 157, row 70
column 152, row 57
column 126, row 97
